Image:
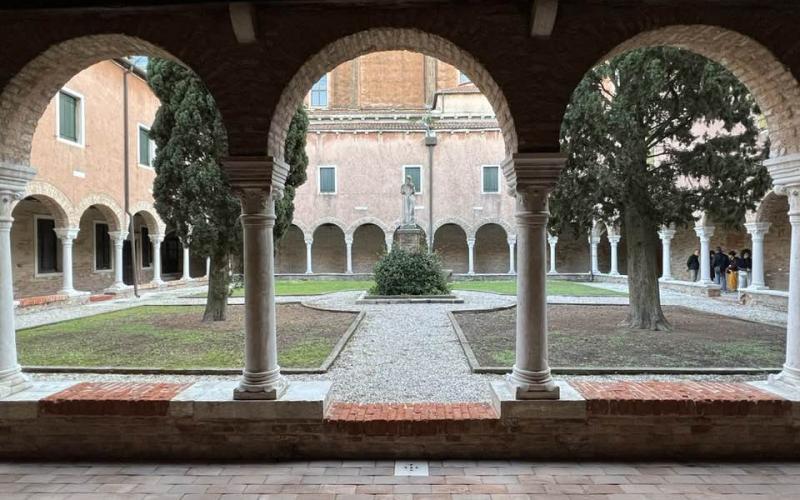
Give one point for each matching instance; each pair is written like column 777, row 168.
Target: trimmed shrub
column 409, row 273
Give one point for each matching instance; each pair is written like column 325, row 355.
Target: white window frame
column 36, row 273
column 327, row 93
column 335, row 180
column 421, row 177
column 151, row 147
column 463, row 79
column 483, row 189
column 94, row 249
column 81, row 113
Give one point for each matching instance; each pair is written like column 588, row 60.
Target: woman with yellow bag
column 732, row 273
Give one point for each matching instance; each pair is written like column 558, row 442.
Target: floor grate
column 410, row 468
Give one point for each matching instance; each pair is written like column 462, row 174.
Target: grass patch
column 174, row 337
column 554, row 287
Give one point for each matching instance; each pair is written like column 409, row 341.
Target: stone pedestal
column 410, row 238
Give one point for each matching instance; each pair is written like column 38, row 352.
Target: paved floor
column 377, row 479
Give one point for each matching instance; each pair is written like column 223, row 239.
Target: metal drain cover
column 410, row 468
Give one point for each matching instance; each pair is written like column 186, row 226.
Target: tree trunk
column 217, row 299
column 645, row 298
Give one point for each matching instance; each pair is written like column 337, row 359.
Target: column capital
column 552, row 239
column 533, row 170
column 256, row 172
column 666, row 233
column 784, row 170
column 594, row 240
column 255, row 201
column 156, row 238
column 13, row 182
column 470, row 241
column 614, row 239
column 512, row 240
column 66, row 233
column 118, row 236
column 704, row 232
column 348, row 239
column 308, row 241
column 757, row 228
column 792, row 192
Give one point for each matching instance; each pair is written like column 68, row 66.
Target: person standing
column 720, row 265
column 745, row 264
column 693, row 265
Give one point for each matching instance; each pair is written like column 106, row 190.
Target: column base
column 532, row 385
column 552, row 273
column 118, row 288
column 788, row 378
column 261, row 386
column 667, row 279
column 614, row 273
column 157, row 283
column 13, row 381
column 73, row 293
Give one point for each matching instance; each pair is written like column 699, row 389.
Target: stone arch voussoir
column 154, row 223
column 493, row 220
column 770, row 82
column 377, row 40
column 351, row 229
column 59, row 205
column 107, row 206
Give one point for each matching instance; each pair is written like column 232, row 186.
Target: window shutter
column 144, row 147
column 102, row 250
column 327, row 180
column 68, row 117
column 416, row 177
column 490, row 180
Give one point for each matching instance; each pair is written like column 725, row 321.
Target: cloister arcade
column 259, row 78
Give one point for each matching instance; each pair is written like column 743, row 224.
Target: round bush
column 409, row 273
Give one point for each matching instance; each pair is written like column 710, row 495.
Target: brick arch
column 457, row 221
column 57, row 203
column 154, row 223
column 112, row 212
column 26, row 96
column 774, row 88
column 378, row 40
column 493, row 220
column 351, row 229
column 771, row 205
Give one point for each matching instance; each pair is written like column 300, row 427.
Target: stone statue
column 407, row 190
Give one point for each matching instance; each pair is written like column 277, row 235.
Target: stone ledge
column 570, row 404
column 409, row 299
column 691, row 288
column 773, row 299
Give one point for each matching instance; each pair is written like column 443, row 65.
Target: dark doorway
column 171, row 255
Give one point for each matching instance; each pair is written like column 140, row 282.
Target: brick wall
column 328, row 253
column 685, row 242
column 777, row 244
column 369, row 243
column 450, row 242
column 572, row 253
column 26, row 283
column 491, row 249
column 84, row 275
column 291, row 254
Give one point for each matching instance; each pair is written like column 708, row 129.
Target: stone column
column 13, row 180
column 552, row 240
column 156, row 239
column 614, row 241
column 67, row 236
column 208, row 267
column 594, row 241
column 348, row 241
column 705, row 233
column 389, row 240
column 470, row 255
column 757, row 232
column 118, row 237
column 309, row 244
column 186, row 264
column 530, row 377
column 512, row 242
column 262, row 377
column 666, row 234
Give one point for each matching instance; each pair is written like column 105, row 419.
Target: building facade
column 70, row 233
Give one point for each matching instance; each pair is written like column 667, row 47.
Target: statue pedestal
column 410, row 238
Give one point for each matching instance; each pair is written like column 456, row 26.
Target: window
column 319, row 93
column 327, row 180
column 147, row 147
column 415, row 171
column 102, row 247
column 70, row 117
column 47, row 254
column 462, row 78
column 146, row 247
column 490, row 182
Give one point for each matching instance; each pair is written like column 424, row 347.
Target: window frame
column 151, row 146
column 311, row 104
column 80, row 112
column 483, row 177
column 421, row 177
column 110, row 269
column 335, row 180
column 36, row 272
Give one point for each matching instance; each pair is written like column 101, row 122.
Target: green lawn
column 554, row 287
column 174, row 337
column 317, row 287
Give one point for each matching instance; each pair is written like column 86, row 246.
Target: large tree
column 654, row 137
column 191, row 192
